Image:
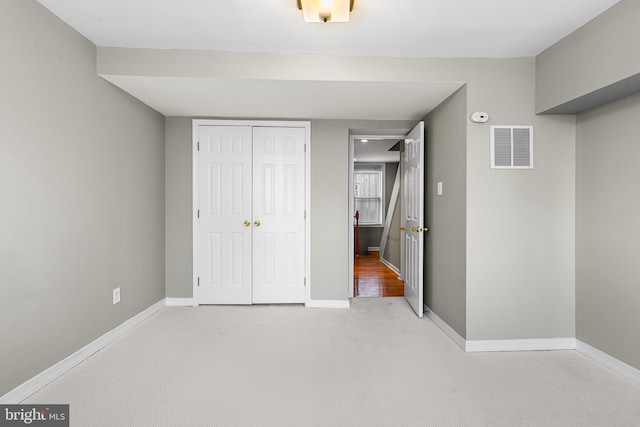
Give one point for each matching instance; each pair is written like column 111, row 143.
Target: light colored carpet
column 373, row 365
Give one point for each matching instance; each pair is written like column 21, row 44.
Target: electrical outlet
column 116, row 295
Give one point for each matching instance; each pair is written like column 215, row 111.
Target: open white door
column 413, row 217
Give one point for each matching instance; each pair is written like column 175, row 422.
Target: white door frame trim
column 352, row 138
column 195, row 191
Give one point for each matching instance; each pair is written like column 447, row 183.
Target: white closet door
column 278, row 215
column 225, row 193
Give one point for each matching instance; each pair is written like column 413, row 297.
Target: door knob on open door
column 256, row 223
column 402, row 227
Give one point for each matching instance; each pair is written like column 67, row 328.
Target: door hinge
column 305, row 148
column 198, row 213
column 305, row 214
column 305, row 281
column 198, row 145
column 198, row 281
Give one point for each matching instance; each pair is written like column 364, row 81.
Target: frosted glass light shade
column 325, row 10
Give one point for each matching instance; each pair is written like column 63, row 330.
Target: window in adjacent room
column 368, row 191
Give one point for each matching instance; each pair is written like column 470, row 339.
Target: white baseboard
column 317, row 303
column 179, row 302
column 598, row 356
column 188, row 302
column 391, row 266
column 627, row 371
column 444, row 327
column 29, row 387
column 472, row 346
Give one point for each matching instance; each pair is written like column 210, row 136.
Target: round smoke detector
column 479, row 117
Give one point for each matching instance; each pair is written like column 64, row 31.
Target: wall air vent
column 511, row 147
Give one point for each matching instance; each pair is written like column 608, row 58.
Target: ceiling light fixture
column 325, row 10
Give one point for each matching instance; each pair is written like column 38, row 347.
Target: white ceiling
column 392, row 28
column 413, row 28
column 375, row 150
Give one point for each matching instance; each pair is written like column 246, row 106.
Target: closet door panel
column 279, row 223
column 225, row 193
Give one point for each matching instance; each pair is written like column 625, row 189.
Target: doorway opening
column 374, row 186
column 368, row 200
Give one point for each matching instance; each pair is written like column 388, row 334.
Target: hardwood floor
column 374, row 279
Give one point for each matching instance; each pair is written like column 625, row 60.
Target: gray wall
column 520, row 223
column 583, row 62
column 446, row 216
column 392, row 248
column 81, row 179
column 599, row 63
column 608, row 229
column 369, row 238
column 178, row 207
column 390, row 170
